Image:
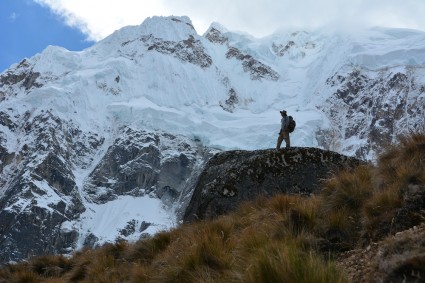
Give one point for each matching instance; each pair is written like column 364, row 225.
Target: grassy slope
column 281, row 239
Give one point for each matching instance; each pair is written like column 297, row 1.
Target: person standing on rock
column 284, row 131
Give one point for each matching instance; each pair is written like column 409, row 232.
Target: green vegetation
column 286, row 238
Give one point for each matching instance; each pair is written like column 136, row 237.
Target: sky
column 29, row 26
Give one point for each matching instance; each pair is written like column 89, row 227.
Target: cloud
column 13, row 17
column 262, row 17
column 99, row 18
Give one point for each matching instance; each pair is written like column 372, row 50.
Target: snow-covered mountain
column 107, row 143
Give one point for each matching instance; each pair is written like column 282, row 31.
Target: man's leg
column 287, row 139
column 279, row 141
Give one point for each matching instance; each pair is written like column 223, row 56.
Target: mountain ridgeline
column 111, row 143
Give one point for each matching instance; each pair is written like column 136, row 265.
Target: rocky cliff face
column 41, row 187
column 377, row 106
column 233, row 177
column 38, row 184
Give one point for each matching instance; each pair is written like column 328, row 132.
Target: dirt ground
column 398, row 258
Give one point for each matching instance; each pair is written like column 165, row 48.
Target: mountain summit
column 108, row 143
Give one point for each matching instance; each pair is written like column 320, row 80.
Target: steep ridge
column 232, row 177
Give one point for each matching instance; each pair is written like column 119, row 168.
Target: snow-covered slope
column 92, row 142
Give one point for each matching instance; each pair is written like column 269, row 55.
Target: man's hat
column 283, row 112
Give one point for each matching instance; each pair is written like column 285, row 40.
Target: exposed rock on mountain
column 377, row 105
column 255, row 68
column 141, row 162
column 230, row 104
column 41, row 190
column 23, row 76
column 39, row 187
column 233, row 177
column 296, row 46
column 215, row 36
column 189, row 50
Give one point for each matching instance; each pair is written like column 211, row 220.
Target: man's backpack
column 292, row 124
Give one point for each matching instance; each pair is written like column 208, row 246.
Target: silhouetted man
column 284, row 131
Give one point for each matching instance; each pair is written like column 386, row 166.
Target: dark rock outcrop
column 190, row 50
column 216, row 36
column 233, row 177
column 229, row 104
column 255, row 68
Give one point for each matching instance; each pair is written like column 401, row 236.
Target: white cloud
column 13, row 17
column 99, row 18
column 262, row 17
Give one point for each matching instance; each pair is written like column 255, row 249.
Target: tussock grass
column 340, row 204
column 403, row 163
column 51, row 266
column 347, row 190
column 381, row 207
column 286, row 263
column 360, row 205
column 285, row 238
column 145, row 251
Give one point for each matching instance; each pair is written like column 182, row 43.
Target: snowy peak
column 168, row 28
column 216, row 26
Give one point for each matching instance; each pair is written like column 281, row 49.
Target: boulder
column 233, row 177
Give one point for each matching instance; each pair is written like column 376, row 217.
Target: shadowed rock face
column 40, row 188
column 233, row 177
column 375, row 106
column 141, row 162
